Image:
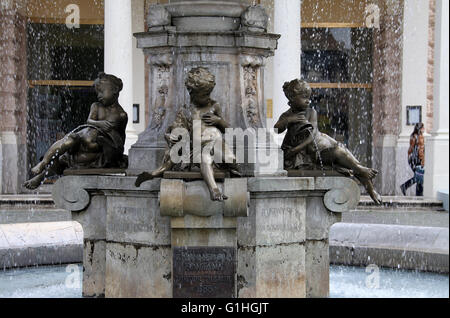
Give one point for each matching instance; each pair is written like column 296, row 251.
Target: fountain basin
column 133, row 249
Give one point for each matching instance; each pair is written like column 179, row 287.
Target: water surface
column 345, row 282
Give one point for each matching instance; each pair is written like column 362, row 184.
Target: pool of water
column 371, row 282
column 345, row 282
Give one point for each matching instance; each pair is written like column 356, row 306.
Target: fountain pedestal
column 231, row 40
column 269, row 240
column 167, row 238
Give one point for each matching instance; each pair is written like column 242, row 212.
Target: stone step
column 410, row 211
column 400, row 202
column 29, row 209
column 405, row 217
column 16, row 200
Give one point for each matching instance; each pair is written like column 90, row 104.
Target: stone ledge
column 396, row 246
column 29, row 244
column 443, row 196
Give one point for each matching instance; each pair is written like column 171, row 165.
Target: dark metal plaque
column 204, row 272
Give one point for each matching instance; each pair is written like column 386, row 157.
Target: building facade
column 375, row 66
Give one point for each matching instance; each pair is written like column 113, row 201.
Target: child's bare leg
column 145, row 176
column 35, row 182
column 207, row 171
column 367, row 183
column 230, row 159
column 57, row 149
column 227, row 157
column 344, row 158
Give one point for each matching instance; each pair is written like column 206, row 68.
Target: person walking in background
column 416, row 160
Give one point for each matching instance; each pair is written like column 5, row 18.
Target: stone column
column 286, row 65
column 414, row 80
column 119, row 56
column 436, row 146
column 387, row 78
column 13, row 96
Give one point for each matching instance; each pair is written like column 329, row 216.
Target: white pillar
column 414, row 80
column 286, row 64
column 119, row 56
column 138, row 25
column 436, row 146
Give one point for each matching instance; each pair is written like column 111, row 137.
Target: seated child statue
column 97, row 144
column 200, row 83
column 303, row 137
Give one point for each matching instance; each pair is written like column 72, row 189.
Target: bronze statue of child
column 304, row 137
column 97, row 144
column 181, row 121
column 200, row 83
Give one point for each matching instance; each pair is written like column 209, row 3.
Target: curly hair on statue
column 295, row 87
column 115, row 81
column 200, row 79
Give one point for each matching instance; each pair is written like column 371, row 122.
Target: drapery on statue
column 199, row 83
column 97, row 144
column 303, row 139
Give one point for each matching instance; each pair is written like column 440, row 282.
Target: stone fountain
column 167, row 238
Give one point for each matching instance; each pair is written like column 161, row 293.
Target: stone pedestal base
column 275, row 244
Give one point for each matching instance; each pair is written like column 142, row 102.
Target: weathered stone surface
column 287, row 215
column 134, row 219
column 255, row 19
column 71, row 192
column 280, row 220
column 138, row 271
column 158, row 16
column 319, row 219
column 343, row 194
column 197, row 222
column 280, row 272
column 93, row 218
column 317, row 269
column 13, row 99
column 204, row 237
column 279, row 184
column 282, row 247
column 179, row 198
column 271, row 272
column 94, row 268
